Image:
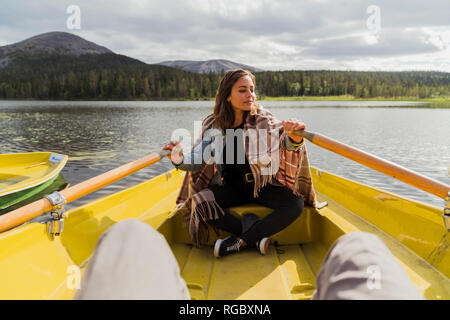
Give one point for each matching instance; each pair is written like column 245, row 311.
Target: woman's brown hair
column 223, row 110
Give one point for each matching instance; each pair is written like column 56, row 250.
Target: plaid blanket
column 270, row 162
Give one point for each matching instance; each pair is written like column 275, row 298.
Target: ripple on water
column 99, row 136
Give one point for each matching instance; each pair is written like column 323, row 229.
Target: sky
column 393, row 35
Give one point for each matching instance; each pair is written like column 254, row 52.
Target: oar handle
column 391, row 169
column 34, row 209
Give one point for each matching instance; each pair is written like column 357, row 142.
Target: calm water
column 99, row 136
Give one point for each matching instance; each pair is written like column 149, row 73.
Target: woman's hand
column 290, row 126
column 176, row 154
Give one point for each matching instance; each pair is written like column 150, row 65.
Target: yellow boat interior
column 20, row 171
column 36, row 266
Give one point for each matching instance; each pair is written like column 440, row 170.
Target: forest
column 117, row 77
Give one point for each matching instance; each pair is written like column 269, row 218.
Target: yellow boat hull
column 34, row 267
column 21, row 171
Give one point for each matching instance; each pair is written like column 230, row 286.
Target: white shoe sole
column 217, row 247
column 263, row 246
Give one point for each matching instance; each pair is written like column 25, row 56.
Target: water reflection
column 99, row 136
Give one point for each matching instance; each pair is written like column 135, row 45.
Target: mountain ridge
column 55, row 42
column 69, row 44
column 207, row 66
column 60, row 65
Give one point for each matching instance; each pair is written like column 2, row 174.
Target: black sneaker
column 228, row 245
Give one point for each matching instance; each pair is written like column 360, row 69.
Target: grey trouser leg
column 359, row 266
column 132, row 261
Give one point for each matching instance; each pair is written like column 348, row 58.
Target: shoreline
column 267, row 98
column 441, row 103
column 352, row 98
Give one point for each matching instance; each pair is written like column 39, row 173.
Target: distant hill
column 60, row 65
column 215, row 66
column 63, row 66
column 50, row 43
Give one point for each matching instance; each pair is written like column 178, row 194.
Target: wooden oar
column 391, row 169
column 35, row 165
column 32, row 210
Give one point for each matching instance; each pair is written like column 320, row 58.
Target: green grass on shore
column 352, row 98
column 439, row 102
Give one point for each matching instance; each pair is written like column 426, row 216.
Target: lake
column 99, row 136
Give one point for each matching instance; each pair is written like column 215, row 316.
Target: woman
column 278, row 178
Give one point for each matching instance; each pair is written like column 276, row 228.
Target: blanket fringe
column 200, row 214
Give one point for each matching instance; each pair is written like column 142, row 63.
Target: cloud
column 276, row 35
column 390, row 42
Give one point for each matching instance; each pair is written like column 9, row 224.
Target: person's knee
column 129, row 227
column 294, row 208
column 132, row 231
column 132, row 260
column 358, row 243
column 358, row 263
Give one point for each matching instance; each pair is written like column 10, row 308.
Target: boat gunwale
column 424, row 204
column 114, row 194
column 41, row 180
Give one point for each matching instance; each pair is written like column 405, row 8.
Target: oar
column 34, row 209
column 35, row 165
column 391, row 169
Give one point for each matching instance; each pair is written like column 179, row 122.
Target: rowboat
column 23, row 176
column 37, row 265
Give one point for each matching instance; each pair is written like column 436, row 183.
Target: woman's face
column 242, row 94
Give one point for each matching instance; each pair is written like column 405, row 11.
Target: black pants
column 287, row 207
